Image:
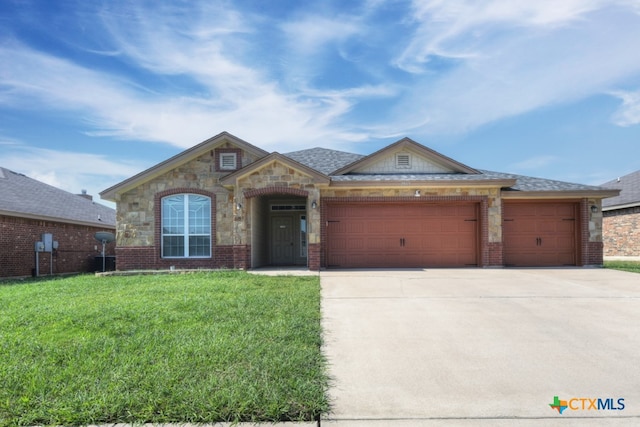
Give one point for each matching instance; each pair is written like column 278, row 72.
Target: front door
column 282, row 243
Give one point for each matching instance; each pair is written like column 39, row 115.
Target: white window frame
column 228, row 161
column 303, row 235
column 185, row 234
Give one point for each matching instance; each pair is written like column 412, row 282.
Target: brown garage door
column 402, row 235
column 540, row 234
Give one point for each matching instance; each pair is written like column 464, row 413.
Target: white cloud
column 467, row 28
column 218, row 84
column 629, row 112
column 199, row 68
column 518, row 66
column 533, row 163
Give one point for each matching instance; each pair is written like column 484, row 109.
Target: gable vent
column 228, row 161
column 403, row 161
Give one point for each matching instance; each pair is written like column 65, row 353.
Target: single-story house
column 227, row 203
column 621, row 222
column 65, row 223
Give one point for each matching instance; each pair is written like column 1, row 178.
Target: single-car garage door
column 402, row 235
column 540, row 234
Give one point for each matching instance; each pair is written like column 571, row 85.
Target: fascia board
column 597, row 194
column 56, row 219
column 498, row 183
column 624, row 206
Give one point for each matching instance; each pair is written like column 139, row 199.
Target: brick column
column 241, row 256
column 313, row 254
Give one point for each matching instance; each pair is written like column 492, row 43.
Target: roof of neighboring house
column 25, row 197
column 629, row 186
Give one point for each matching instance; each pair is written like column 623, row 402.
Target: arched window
column 186, row 226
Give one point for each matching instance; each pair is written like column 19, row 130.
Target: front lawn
column 199, row 348
column 632, row 266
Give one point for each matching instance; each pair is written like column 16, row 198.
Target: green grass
column 632, row 266
column 200, row 348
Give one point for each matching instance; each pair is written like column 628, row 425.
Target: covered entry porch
column 278, row 226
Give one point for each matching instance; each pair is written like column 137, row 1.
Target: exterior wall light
column 417, row 193
column 594, row 209
column 314, row 205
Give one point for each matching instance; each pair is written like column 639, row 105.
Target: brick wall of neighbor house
column 621, row 232
column 76, row 252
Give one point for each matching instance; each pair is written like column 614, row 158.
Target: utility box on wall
column 47, row 239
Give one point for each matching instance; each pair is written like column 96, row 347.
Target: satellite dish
column 104, row 237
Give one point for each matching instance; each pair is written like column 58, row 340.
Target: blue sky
column 93, row 92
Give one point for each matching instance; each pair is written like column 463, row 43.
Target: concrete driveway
column 482, row 346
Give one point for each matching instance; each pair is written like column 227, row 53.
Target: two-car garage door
column 402, row 235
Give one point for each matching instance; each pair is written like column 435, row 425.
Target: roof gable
column 24, row 197
column 266, row 161
column 406, row 157
column 180, row 159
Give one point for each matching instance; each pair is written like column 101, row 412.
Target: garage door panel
column 409, row 235
column 540, row 234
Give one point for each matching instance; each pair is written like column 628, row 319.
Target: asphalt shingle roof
column 327, row 161
column 530, row 183
column 20, row 194
column 324, row 160
column 630, row 190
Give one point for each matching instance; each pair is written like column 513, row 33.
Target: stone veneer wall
column 271, row 179
column 137, row 222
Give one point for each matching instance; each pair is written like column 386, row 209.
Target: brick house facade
column 403, row 206
column 621, row 222
column 29, row 209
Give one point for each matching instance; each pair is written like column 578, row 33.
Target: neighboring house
column 29, row 209
column 621, row 222
column 227, row 203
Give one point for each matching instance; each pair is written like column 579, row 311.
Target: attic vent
column 227, row 161
column 403, row 161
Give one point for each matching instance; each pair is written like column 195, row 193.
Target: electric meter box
column 47, row 239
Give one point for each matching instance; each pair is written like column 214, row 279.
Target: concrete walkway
column 482, row 346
